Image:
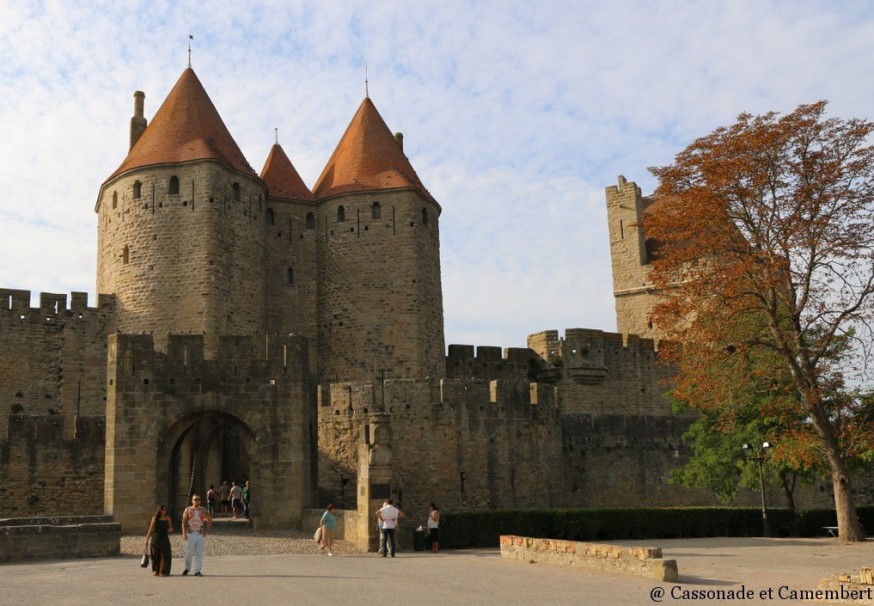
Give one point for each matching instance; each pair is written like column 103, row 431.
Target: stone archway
column 156, row 402
column 201, row 451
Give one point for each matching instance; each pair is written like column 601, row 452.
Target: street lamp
column 760, row 459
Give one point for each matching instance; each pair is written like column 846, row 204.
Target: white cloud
column 515, row 115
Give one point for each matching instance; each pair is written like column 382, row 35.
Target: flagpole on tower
column 190, row 38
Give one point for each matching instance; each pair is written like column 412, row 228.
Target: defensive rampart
column 53, row 358
column 49, row 474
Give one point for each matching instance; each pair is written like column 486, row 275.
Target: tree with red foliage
column 765, row 244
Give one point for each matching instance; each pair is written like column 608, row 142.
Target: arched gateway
column 176, row 422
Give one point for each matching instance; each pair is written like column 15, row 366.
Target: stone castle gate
column 166, row 411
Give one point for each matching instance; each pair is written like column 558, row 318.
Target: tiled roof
column 186, row 127
column 367, row 158
column 282, row 180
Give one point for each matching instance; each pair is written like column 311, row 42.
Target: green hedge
column 481, row 528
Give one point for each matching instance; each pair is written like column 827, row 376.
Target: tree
column 764, row 246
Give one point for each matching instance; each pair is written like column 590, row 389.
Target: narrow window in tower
column 114, row 199
column 138, row 190
column 174, row 185
column 289, row 276
column 376, row 211
column 125, row 255
column 311, row 221
column 621, row 230
column 271, row 217
column 341, row 214
column 236, row 192
column 424, row 216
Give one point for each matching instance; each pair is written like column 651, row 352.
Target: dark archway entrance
column 206, row 451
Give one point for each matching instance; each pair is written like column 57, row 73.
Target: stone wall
column 639, row 561
column 632, row 289
column 186, row 262
column 290, row 275
column 59, row 537
column 380, row 301
column 48, row 474
column 53, row 358
column 157, row 401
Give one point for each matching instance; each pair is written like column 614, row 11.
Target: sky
column 516, row 116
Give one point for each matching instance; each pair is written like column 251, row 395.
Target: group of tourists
column 230, row 498
column 387, row 516
column 197, row 521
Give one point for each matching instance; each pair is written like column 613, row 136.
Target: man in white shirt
column 388, row 520
column 196, row 522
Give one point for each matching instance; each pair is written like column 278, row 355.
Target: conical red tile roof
column 186, row 127
column 368, row 157
column 282, row 180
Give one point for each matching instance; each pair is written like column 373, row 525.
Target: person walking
column 196, row 522
column 388, row 517
column 160, row 552
column 328, row 523
column 434, row 527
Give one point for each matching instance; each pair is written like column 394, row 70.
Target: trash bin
column 419, row 539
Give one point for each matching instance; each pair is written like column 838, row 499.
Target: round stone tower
column 180, row 225
column 379, row 299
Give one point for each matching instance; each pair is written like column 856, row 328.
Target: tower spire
column 366, row 89
column 190, row 38
column 277, row 135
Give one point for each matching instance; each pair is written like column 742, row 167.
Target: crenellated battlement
column 488, row 362
column 48, row 431
column 428, row 397
column 56, row 472
column 15, row 305
column 184, row 365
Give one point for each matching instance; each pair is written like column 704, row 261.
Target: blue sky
column 516, row 116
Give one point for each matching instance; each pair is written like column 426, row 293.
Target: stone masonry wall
column 53, row 358
column 290, row 276
column 631, row 285
column 463, row 444
column 47, row 474
column 380, row 301
column 187, row 262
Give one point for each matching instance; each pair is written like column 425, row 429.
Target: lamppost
column 760, row 459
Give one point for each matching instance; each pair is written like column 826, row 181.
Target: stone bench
column 640, row 561
column 60, row 537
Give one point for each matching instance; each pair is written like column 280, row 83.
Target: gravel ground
column 227, row 538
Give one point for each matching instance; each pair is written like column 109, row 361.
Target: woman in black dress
column 159, row 531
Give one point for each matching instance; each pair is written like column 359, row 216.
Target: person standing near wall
column 328, row 523
column 225, row 492
column 236, row 499
column 434, row 527
column 388, row 518
column 196, row 522
column 211, row 498
column 247, row 496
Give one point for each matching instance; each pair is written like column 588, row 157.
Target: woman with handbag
column 159, row 531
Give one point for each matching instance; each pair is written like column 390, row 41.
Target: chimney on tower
column 138, row 122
